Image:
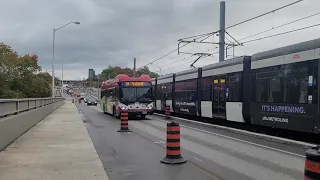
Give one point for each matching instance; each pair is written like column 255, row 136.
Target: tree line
column 111, row 72
column 21, row 76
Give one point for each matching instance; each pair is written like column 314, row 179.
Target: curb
column 247, row 133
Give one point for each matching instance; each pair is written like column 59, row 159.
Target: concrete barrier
column 14, row 126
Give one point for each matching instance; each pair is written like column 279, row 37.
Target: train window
column 206, row 89
column 234, row 88
column 186, row 91
column 168, row 91
column 158, row 94
column 164, row 90
column 269, row 86
column 296, row 85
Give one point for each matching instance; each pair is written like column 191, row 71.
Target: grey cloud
column 113, row 32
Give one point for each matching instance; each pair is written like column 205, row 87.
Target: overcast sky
column 113, row 32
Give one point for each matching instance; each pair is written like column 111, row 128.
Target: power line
column 165, row 55
column 188, row 57
column 177, row 61
column 228, row 40
column 178, row 65
column 186, row 63
column 256, row 17
column 291, row 22
column 242, row 22
column 202, row 35
column 233, row 38
column 287, row 32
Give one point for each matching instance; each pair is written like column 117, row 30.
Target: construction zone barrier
column 173, row 153
column 312, row 164
column 167, row 112
column 124, row 122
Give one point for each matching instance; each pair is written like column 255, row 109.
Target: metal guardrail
column 15, row 106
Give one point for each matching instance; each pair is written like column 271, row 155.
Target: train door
column 219, row 96
column 163, row 97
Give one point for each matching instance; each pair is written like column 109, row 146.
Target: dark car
column 91, row 102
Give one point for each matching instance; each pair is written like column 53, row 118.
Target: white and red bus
column 132, row 94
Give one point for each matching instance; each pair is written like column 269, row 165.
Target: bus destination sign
column 136, row 84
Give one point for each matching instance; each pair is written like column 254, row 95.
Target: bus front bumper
column 140, row 112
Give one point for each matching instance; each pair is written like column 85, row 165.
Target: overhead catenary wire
column 228, row 40
column 287, row 32
column 256, row 17
column 233, row 38
column 165, row 55
column 187, row 62
column 282, row 25
column 177, row 61
column 266, row 37
column 211, row 33
column 253, row 18
column 187, row 57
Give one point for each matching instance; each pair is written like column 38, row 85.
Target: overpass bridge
column 58, row 139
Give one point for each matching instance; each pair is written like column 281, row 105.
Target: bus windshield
column 135, row 94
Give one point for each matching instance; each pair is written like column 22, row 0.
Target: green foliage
column 18, row 75
column 112, row 72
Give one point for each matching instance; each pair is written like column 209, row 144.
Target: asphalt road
column 211, row 153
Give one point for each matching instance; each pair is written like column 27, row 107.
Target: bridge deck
column 58, row 147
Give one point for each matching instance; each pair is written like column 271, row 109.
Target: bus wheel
column 143, row 116
column 104, row 110
column 114, row 112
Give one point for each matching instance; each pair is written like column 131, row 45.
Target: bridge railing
column 15, row 106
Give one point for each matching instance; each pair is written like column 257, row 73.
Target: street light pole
column 62, row 80
column 54, row 34
column 53, row 41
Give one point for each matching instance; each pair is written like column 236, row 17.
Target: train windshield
column 135, row 94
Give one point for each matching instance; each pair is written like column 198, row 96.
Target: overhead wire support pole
column 134, row 67
column 206, row 34
column 222, row 30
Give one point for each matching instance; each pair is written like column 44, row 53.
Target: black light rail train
column 277, row 88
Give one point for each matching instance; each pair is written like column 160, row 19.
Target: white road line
column 158, row 142
column 197, row 159
column 240, row 140
column 234, row 130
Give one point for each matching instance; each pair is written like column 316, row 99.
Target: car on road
column 92, row 102
column 82, row 95
column 85, row 99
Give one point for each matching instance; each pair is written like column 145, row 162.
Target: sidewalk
column 57, row 148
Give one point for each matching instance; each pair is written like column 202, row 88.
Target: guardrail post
column 17, row 107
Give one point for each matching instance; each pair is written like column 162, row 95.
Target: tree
column 18, row 75
column 108, row 73
column 112, row 72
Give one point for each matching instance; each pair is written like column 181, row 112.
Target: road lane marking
column 197, row 159
column 240, row 140
column 158, row 142
column 247, row 133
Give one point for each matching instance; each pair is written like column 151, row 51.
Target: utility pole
column 222, row 30
column 53, row 77
column 98, row 87
column 134, row 67
column 62, row 80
